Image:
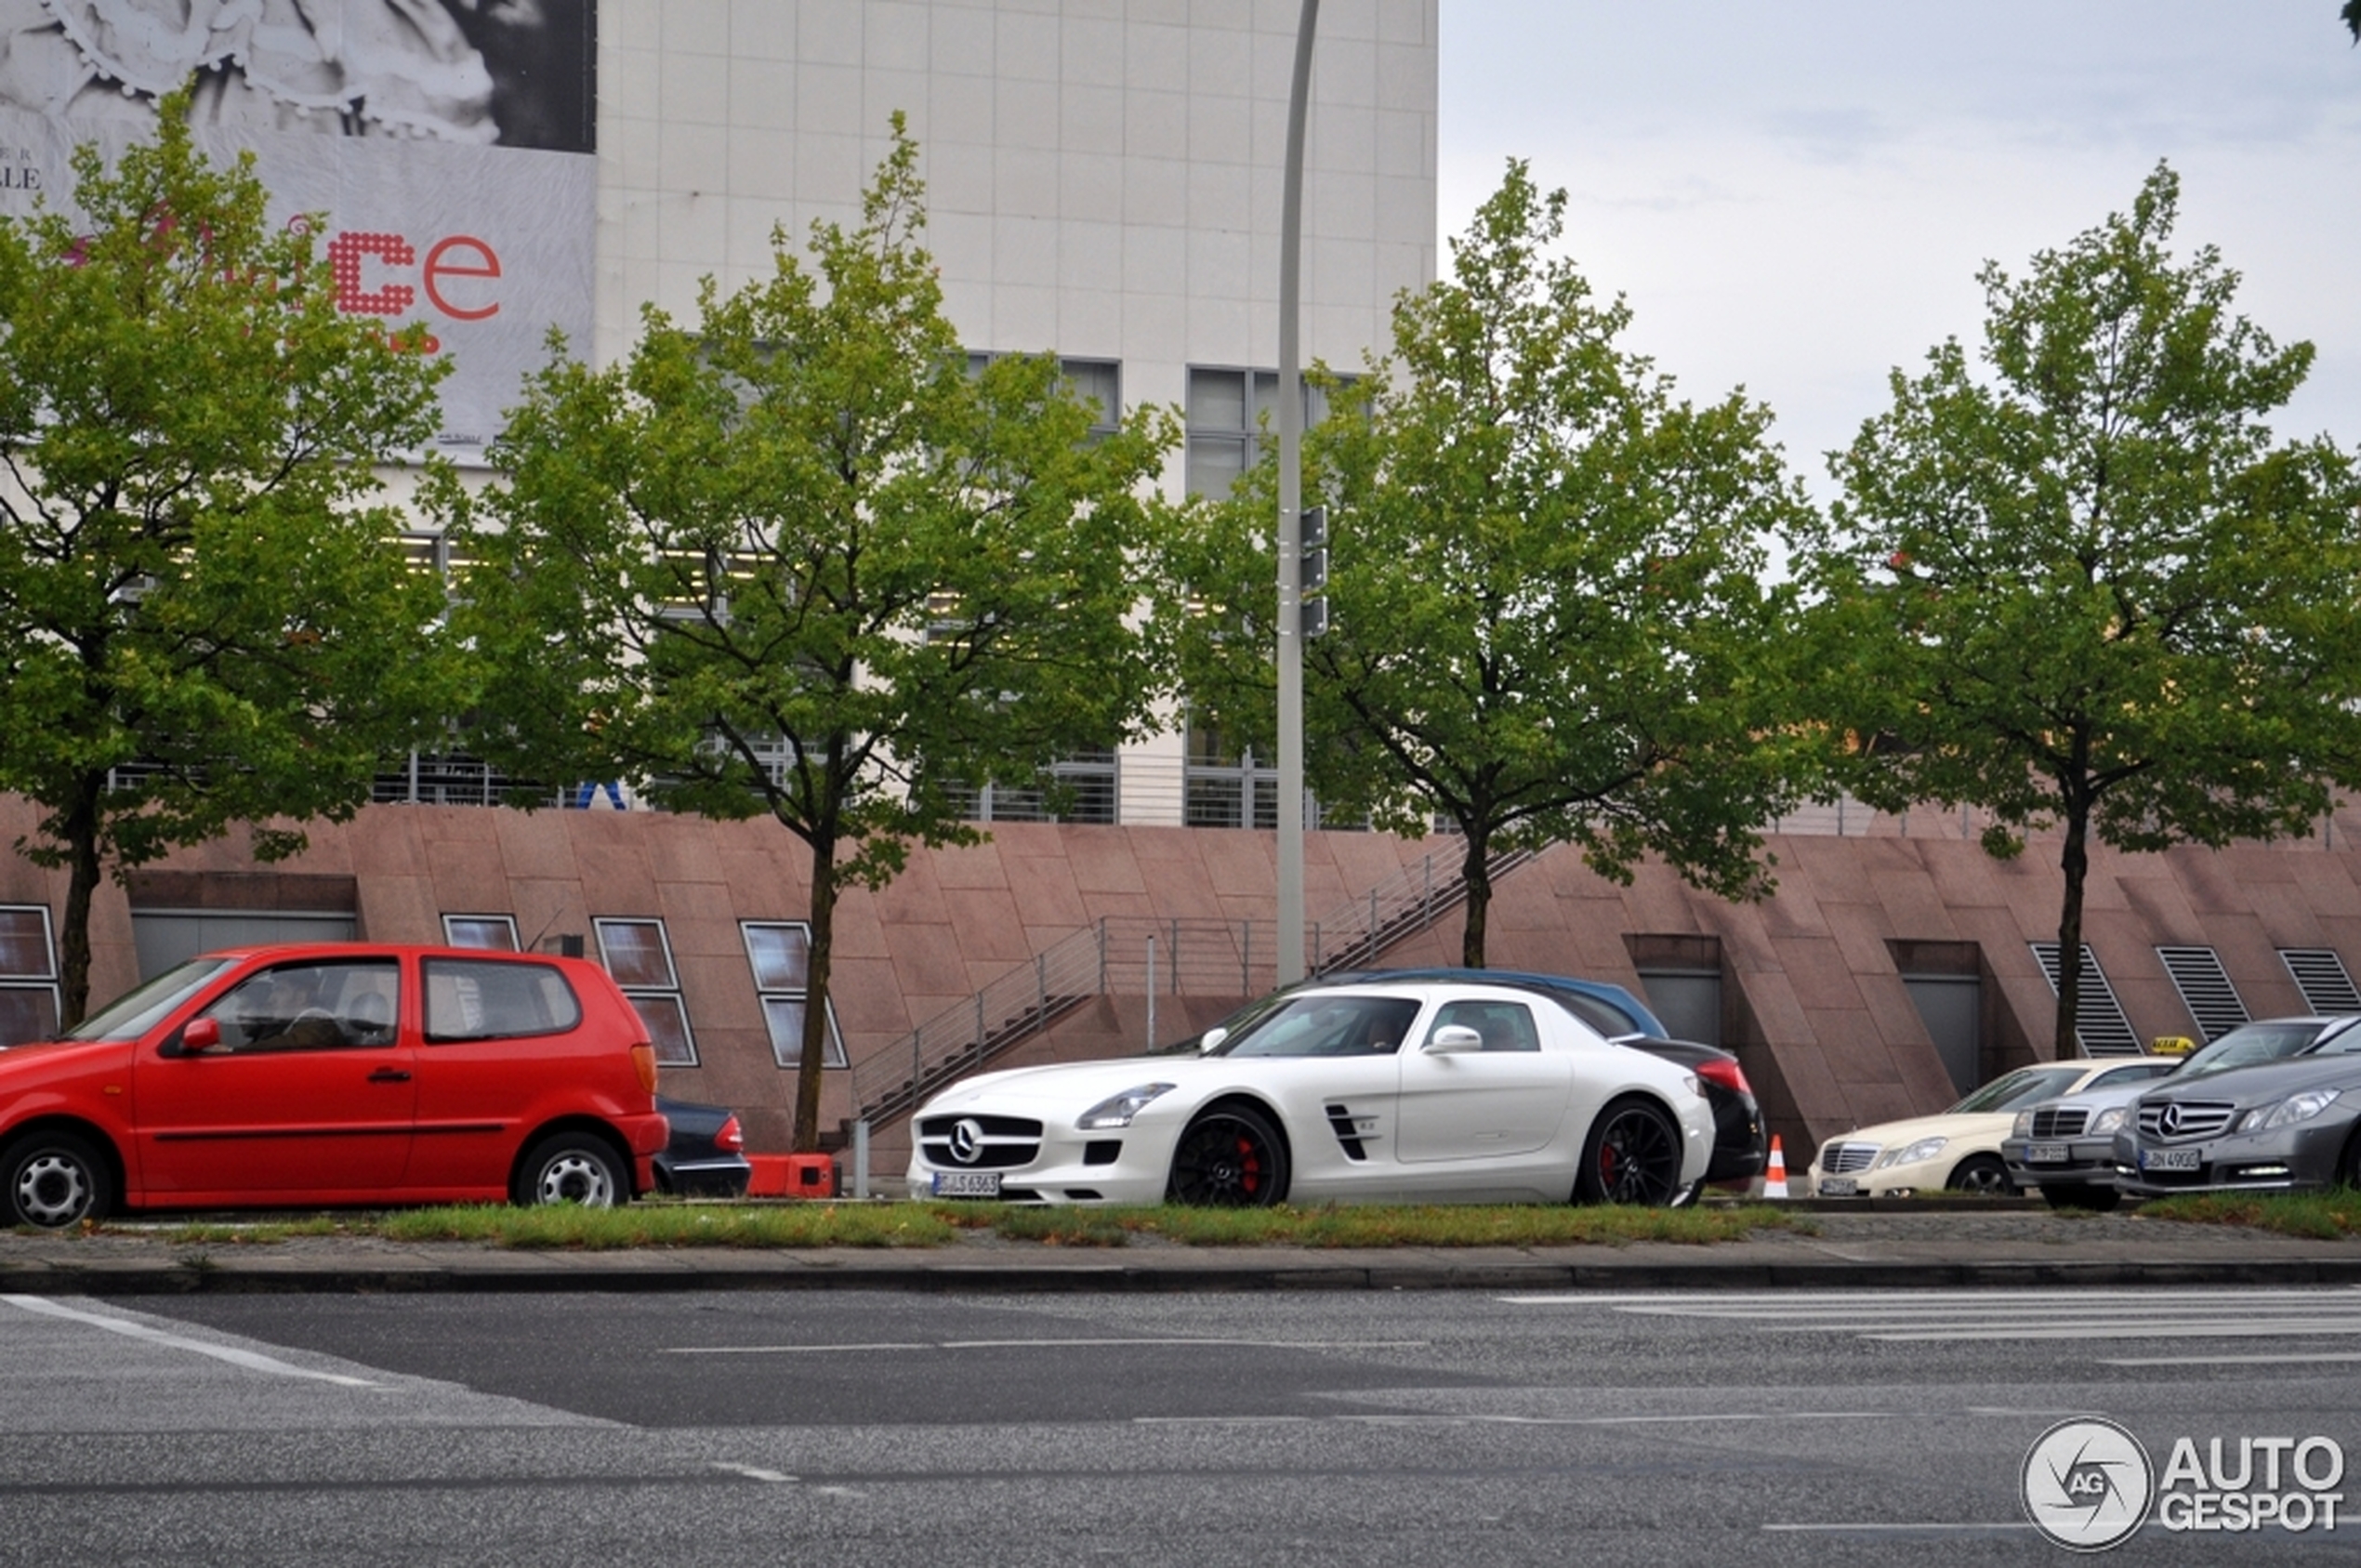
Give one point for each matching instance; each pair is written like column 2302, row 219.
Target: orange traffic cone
column 1775, row 1181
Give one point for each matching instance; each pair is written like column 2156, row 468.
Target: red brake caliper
column 1249, row 1167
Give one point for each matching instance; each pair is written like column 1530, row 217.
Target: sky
column 1796, row 198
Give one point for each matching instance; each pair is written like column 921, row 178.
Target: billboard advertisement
column 444, row 147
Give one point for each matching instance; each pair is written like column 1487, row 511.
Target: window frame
column 45, row 983
column 833, row 1055
column 450, row 937
column 669, row 997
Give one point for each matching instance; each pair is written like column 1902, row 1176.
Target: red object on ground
column 792, row 1175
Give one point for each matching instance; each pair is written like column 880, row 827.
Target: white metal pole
column 1290, row 949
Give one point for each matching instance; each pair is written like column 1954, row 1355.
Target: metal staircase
column 1132, row 954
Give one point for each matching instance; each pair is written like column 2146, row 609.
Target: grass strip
column 2334, row 1215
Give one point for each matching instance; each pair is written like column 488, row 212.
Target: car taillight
column 731, row 1138
column 644, row 1059
column 1726, row 1071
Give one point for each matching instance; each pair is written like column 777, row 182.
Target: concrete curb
column 642, row 1272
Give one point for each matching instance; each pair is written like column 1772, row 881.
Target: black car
column 1741, row 1147
column 707, row 1156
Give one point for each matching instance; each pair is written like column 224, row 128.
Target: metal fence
column 1146, row 956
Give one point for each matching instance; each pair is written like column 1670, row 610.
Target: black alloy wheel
column 1632, row 1157
column 1230, row 1158
column 1983, row 1174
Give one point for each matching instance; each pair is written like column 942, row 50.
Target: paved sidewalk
column 1851, row 1251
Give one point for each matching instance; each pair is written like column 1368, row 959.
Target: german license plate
column 1840, row 1187
column 2045, row 1154
column 2168, row 1159
column 967, row 1184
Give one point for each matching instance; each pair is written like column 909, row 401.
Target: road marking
column 752, row 1473
column 252, row 1361
column 1883, row 1529
column 1044, row 1345
column 2230, row 1361
column 1966, row 1315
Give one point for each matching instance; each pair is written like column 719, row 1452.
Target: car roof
column 1613, row 996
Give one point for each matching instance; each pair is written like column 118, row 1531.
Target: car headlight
column 2108, row 1120
column 2023, row 1125
column 1911, row 1153
column 2295, row 1108
column 1118, row 1110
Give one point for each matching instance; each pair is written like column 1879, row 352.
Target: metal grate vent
column 2319, row 974
column 2099, row 1022
column 2205, row 989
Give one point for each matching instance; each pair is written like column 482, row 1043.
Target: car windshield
column 2021, row 1087
column 2248, row 1044
column 134, row 1013
column 1325, row 1025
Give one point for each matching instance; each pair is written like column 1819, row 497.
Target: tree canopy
column 795, row 559
column 1549, row 613
column 2084, row 586
column 205, row 618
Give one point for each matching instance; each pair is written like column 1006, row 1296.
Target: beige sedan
column 1959, row 1150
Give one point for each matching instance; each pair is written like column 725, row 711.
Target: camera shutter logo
column 2086, row 1485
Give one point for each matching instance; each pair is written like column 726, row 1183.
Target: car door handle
column 390, row 1075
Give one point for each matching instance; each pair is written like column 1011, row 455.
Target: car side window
column 473, row 999
column 1505, row 1026
column 340, row 1005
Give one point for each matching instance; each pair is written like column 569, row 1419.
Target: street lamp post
column 1291, row 516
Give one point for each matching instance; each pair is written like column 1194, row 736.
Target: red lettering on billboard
column 486, row 265
column 345, row 254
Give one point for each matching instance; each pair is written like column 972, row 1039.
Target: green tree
column 796, row 562
column 204, row 620
column 1549, row 621
column 2085, row 588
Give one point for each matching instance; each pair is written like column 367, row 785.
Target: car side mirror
column 204, row 1035
column 1453, row 1039
column 1213, row 1037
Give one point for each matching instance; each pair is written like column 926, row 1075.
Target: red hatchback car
column 335, row 1073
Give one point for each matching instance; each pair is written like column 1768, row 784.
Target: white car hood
column 1073, row 1087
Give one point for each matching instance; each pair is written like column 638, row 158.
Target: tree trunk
column 815, row 999
column 2076, row 864
column 1476, row 871
column 81, row 883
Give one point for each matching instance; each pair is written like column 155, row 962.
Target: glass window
column 780, row 951
column 134, row 1013
column 24, row 943
column 1505, row 1026
column 493, row 933
column 636, row 953
column 640, row 957
column 334, row 1006
column 484, row 999
column 1326, row 1025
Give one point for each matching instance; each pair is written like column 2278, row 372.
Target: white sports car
column 1367, row 1092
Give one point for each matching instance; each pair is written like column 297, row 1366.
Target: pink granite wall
column 1812, row 997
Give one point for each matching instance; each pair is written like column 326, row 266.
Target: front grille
column 1839, row 1159
column 2198, row 1118
column 2060, row 1124
column 1001, row 1143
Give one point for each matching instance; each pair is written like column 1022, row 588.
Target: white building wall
column 1103, row 175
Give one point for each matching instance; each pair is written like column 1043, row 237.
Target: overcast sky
column 1796, row 197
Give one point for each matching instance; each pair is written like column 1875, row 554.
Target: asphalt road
column 1419, row 1426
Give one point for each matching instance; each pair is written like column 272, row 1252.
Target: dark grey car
column 2282, row 1126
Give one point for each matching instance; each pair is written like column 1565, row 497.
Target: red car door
column 295, row 1086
